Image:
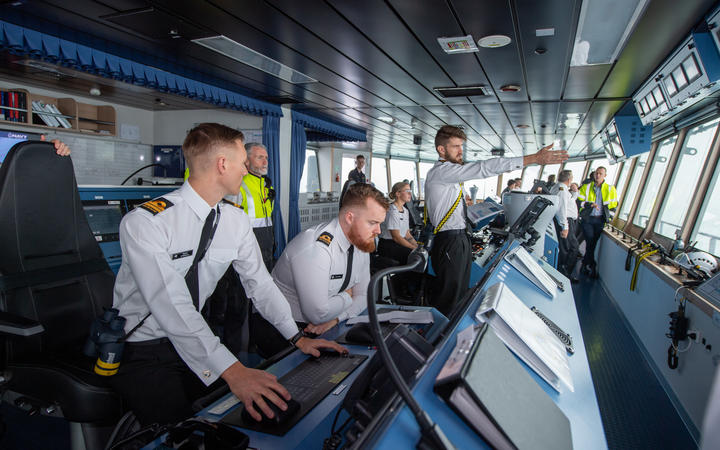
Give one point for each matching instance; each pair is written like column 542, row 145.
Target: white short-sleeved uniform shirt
column 395, row 220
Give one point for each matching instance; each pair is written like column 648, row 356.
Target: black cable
column 432, row 435
column 145, row 167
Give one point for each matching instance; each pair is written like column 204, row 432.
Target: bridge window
column 633, row 186
column 310, row 180
column 402, row 169
column 577, row 168
column 687, row 173
column 707, row 229
column 622, row 178
column 487, row 187
column 530, row 174
column 379, row 174
column 548, row 170
column 424, row 167
column 652, row 184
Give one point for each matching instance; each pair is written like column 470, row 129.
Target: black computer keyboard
column 308, row 384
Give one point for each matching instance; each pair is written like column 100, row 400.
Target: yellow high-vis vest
column 256, row 201
column 609, row 195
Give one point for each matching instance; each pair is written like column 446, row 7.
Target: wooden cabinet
column 28, row 109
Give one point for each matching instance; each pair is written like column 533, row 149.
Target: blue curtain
column 297, row 164
column 23, row 41
column 271, row 140
column 328, row 130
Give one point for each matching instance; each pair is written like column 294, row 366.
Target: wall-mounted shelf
column 20, row 107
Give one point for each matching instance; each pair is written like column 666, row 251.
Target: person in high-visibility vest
column 598, row 201
column 257, row 198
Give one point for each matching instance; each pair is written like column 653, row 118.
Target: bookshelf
column 21, row 107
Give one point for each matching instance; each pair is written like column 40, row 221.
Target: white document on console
column 526, row 335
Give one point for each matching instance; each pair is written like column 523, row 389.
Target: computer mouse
column 279, row 416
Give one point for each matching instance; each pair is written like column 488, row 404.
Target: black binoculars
column 106, row 342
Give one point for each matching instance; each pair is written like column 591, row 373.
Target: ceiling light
column 571, row 120
column 238, row 52
column 510, row 88
column 95, row 91
column 494, row 41
column 602, row 32
column 461, row 44
column 545, row 32
column 523, row 125
column 386, row 119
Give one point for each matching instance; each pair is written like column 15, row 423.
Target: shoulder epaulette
column 232, row 203
column 325, row 237
column 157, row 205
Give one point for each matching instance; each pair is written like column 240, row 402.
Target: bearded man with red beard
column 325, row 270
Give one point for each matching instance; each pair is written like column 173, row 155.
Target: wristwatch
column 293, row 340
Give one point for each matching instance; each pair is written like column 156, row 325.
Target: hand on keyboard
column 253, row 387
column 313, row 346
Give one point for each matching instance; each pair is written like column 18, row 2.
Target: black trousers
column 391, row 249
column 451, row 257
column 568, row 247
column 156, row 383
column 592, row 227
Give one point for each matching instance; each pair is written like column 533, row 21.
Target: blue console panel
column 104, row 207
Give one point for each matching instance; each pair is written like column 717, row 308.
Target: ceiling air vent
column 462, row 91
column 497, row 152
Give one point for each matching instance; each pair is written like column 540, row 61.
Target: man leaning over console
column 324, row 271
column 173, row 357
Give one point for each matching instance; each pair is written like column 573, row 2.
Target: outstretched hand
column 546, row 155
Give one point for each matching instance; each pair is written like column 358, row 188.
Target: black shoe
column 593, row 273
column 574, row 280
column 585, row 269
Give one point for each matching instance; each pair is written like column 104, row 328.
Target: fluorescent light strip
column 233, row 50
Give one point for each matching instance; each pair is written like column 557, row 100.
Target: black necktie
column 191, row 278
column 348, row 270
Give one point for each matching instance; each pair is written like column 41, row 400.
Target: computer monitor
column 530, row 211
column 104, row 218
column 9, row 138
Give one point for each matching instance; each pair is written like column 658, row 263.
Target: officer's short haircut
column 564, row 175
column 358, row 195
column 249, row 146
column 511, row 182
column 359, row 157
column 446, row 132
column 206, row 137
column 601, row 167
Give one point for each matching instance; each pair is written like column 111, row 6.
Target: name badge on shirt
column 184, row 254
column 336, row 276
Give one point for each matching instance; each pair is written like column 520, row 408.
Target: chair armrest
column 11, row 324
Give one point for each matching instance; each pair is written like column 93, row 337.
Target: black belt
column 149, row 342
column 451, row 232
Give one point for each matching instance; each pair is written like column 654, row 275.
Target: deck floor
column 635, row 409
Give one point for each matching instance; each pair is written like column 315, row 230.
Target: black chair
column 53, row 282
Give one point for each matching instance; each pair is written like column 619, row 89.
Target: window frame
column 662, row 187
column 712, row 164
column 623, row 223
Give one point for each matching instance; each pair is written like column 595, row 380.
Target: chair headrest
column 42, row 222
